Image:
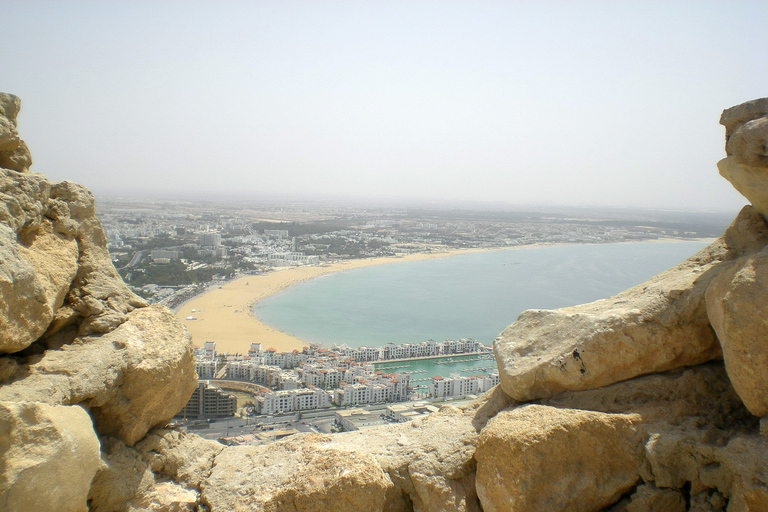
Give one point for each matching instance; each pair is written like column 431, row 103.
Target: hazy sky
column 534, row 102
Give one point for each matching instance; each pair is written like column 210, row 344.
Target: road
column 316, row 420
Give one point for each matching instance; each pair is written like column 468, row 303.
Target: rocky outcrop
column 137, row 377
column 48, row 457
column 657, row 326
column 79, row 353
column 422, row 466
column 556, row 459
column 56, row 270
column 14, row 154
column 746, row 165
column 738, row 309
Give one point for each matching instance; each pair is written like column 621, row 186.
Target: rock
column 746, row 166
column 654, row 327
column 424, row 465
column 14, row 154
column 301, row 473
column 122, row 475
column 733, row 467
column 547, row 459
column 55, row 269
column 649, row 497
column 126, row 483
column 708, row 501
column 165, row 497
column 48, row 457
column 736, row 116
column 182, row 457
column 702, row 392
column 737, row 304
column 38, row 263
column 747, row 145
column 751, row 182
column 132, row 379
column 429, row 460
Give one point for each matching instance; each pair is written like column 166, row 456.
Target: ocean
column 467, row 296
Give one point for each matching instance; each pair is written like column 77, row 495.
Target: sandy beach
column 224, row 314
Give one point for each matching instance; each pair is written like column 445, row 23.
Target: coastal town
column 169, row 251
column 210, row 263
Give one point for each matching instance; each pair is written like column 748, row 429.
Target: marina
column 422, row 370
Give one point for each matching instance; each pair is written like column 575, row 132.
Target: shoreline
column 224, row 313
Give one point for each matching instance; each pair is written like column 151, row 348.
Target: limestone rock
column 122, row 475
column 430, row 460
column 14, row 154
column 38, row 262
column 746, row 140
column 733, row 467
column 750, row 181
column 657, row 326
column 648, row 497
column 547, row 459
column 126, row 482
column 737, row 303
column 301, row 473
column 702, row 392
column 424, row 465
column 55, row 269
column 48, row 457
column 736, row 116
column 165, row 497
column 132, row 379
column 182, row 457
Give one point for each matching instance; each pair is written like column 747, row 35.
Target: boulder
column 429, row 460
column 736, row 116
column 654, row 327
column 746, row 166
column 424, row 465
column 750, row 181
column 181, row 457
column 126, row 482
column 648, row 497
column 732, row 466
column 14, row 154
column 122, row 475
column 55, row 269
column 701, row 392
column 301, row 473
column 38, row 262
column 547, row 459
column 737, row 304
column 49, row 455
column 132, row 379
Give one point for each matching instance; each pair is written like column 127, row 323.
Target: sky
column 586, row 103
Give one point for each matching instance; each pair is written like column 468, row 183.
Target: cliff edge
column 652, row 400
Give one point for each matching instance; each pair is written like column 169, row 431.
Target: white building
column 279, row 402
column 376, row 389
column 459, row 386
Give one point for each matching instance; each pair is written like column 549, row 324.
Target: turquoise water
column 468, row 296
column 423, row 370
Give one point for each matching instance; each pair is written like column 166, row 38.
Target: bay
column 466, row 296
